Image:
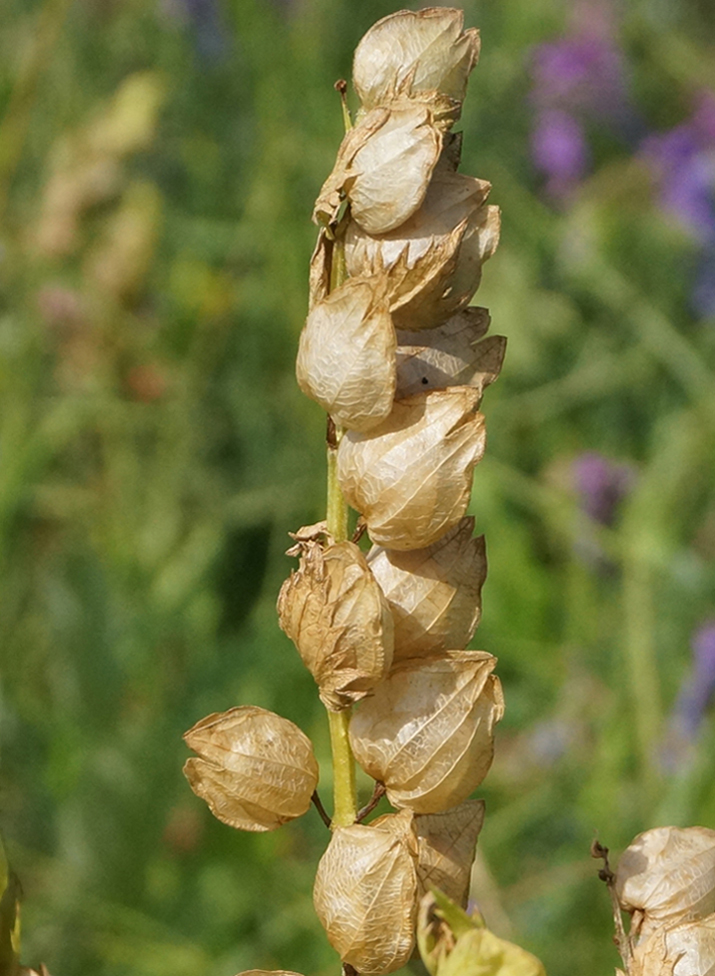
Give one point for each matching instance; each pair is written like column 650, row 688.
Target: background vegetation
column 158, row 164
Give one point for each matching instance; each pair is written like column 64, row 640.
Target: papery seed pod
column 383, row 167
column 411, row 477
column 686, row 949
column 365, row 897
column 454, row 354
column 256, row 770
column 346, row 356
column 335, row 613
column 669, row 873
column 434, row 593
column 427, row 732
column 447, row 843
column 433, row 260
column 410, row 53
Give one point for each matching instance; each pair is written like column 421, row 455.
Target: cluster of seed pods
column 399, row 360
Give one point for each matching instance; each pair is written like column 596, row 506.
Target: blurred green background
column 158, row 164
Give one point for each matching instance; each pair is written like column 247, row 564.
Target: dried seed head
column 434, row 259
column 335, row 613
column 669, row 873
column 447, row 843
column 365, row 897
column 255, row 769
column 383, row 167
column 454, row 354
column 427, row 733
column 411, row 477
column 415, row 53
column 686, row 949
column 346, row 357
column 434, row 593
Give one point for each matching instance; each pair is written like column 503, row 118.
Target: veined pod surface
column 434, row 593
column 346, row 355
column 256, row 770
column 433, row 260
column 453, row 354
column 685, row 949
column 415, row 52
column 334, row 611
column 428, row 731
column 384, row 166
column 411, row 477
column 668, row 873
column 365, row 897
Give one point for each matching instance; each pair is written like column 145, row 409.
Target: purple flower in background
column 699, row 685
column 601, row 485
column 203, row 18
column 559, row 149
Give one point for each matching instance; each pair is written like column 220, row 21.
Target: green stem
column 344, row 791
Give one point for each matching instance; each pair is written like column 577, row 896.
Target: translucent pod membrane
column 427, row 733
column 434, row 593
column 346, row 356
column 256, row 770
column 685, row 949
column 411, row 477
column 335, row 613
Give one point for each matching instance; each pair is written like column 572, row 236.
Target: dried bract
column 411, row 476
column 669, row 873
column 687, row 949
column 255, row 769
column 346, row 356
column 427, row 732
column 412, row 53
column 447, row 843
column 335, row 613
column 434, row 593
column 365, row 897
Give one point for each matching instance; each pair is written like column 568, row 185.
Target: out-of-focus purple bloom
column 204, row 19
column 693, row 700
column 601, row 485
column 702, row 297
column 559, row 150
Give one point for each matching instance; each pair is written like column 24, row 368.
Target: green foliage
column 155, row 451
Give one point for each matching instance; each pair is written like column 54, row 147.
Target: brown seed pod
column 434, row 593
column 427, row 732
column 256, row 770
column 415, row 53
column 685, row 949
column 453, row 354
column 411, row 477
column 668, row 873
column 346, row 356
column 365, row 897
column 336, row 615
column 383, row 167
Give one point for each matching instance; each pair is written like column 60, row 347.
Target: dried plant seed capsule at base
column 346, row 356
column 335, row 613
column 685, row 949
column 434, row 593
column 411, row 477
column 365, row 897
column 256, row 770
column 427, row 733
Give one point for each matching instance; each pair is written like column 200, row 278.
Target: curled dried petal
column 434, row 593
column 427, row 732
column 411, row 476
column 335, row 613
column 365, row 897
column 346, row 357
column 256, row 770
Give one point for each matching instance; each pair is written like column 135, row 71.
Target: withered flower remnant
column 335, row 613
column 427, row 732
column 255, row 769
column 346, row 356
column 411, row 476
column 434, row 593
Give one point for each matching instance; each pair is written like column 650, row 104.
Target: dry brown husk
column 365, row 896
column 684, row 949
column 417, row 54
column 256, row 770
column 411, row 477
column 433, row 260
column 346, row 356
column 668, row 873
column 434, row 593
column 454, row 354
column 335, row 613
column 383, row 168
column 427, row 732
